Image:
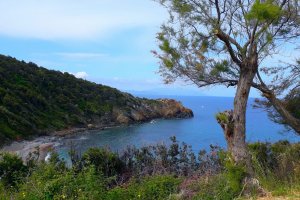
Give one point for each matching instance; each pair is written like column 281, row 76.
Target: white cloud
column 82, row 75
column 67, row 19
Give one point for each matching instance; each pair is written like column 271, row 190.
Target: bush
column 277, row 165
column 149, row 188
column 48, row 183
column 12, row 169
column 226, row 185
column 214, row 188
column 279, row 159
column 105, row 161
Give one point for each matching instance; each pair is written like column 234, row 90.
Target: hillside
column 37, row 101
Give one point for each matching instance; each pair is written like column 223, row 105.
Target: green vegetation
column 292, row 101
column 157, row 187
column 34, row 100
column 264, row 11
column 277, row 165
column 151, row 173
column 11, row 169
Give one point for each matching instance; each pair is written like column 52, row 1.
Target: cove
column 200, row 132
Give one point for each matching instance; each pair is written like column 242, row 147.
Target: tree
column 224, row 42
column 285, row 111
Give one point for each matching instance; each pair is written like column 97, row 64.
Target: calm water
column 200, row 131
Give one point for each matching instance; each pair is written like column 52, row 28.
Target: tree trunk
column 233, row 122
column 239, row 149
column 289, row 119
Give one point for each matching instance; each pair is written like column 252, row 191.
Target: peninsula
column 35, row 101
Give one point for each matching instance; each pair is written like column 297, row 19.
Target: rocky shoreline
column 145, row 112
column 43, row 144
column 164, row 109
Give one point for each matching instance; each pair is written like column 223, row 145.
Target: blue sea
column 200, row 131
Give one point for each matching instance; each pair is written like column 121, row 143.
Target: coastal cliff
column 142, row 110
column 36, row 101
column 151, row 109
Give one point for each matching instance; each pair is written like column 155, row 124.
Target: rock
column 146, row 110
column 250, row 185
column 170, row 108
column 44, row 149
column 122, row 119
column 137, row 115
column 90, row 126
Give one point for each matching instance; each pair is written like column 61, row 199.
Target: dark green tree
column 224, row 42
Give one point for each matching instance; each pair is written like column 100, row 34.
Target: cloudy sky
column 105, row 41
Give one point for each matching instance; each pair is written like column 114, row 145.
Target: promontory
column 36, row 101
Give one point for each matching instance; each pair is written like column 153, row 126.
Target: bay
column 200, row 132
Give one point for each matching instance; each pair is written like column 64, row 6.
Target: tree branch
column 228, row 40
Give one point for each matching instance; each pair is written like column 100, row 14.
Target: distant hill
column 167, row 92
column 36, row 101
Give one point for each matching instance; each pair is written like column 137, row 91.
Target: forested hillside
column 35, row 100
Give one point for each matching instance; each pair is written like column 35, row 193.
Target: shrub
column 214, row 188
column 149, row 188
column 226, row 185
column 48, row 183
column 279, row 159
column 105, row 161
column 12, row 169
column 277, row 165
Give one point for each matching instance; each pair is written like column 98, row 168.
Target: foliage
column 292, row 101
column 234, row 175
column 152, row 172
column 149, row 188
column 224, row 185
column 280, row 159
column 222, row 117
column 215, row 176
column 210, row 42
column 215, row 188
column 47, row 182
column 276, row 166
column 12, row 169
column 105, row 161
column 264, row 11
column 177, row 159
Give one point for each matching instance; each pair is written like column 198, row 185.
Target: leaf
column 181, row 7
column 168, row 63
column 264, row 11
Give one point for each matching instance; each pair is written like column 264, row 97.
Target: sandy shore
column 41, row 144
column 45, row 144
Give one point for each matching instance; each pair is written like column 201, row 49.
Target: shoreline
column 46, row 143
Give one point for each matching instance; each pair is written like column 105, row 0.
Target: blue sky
column 105, row 41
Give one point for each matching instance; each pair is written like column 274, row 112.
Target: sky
column 104, row 41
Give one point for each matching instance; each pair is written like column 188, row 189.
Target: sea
column 200, row 132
